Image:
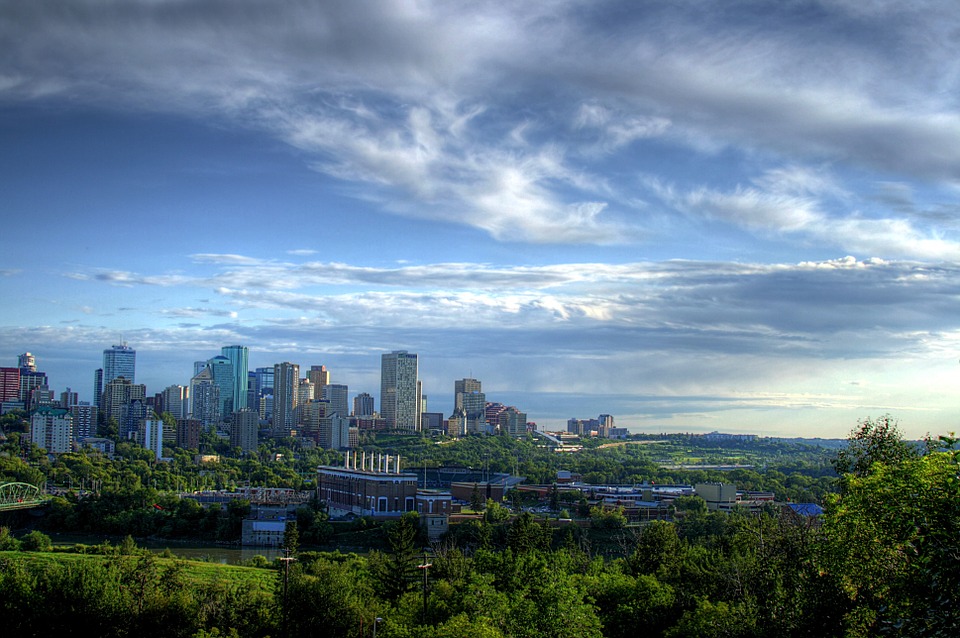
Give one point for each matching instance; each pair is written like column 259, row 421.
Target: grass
column 199, row 572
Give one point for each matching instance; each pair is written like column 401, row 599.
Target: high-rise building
column 205, row 398
column 116, row 394
column 222, row 373
column 238, row 358
column 9, row 384
column 264, row 387
column 131, row 414
column 363, row 405
column 27, row 362
column 119, row 361
column 150, row 435
column 188, row 433
column 464, row 386
column 243, row 432
column 84, row 420
column 399, row 390
column 338, row 396
column 286, row 381
column 320, row 377
column 52, row 429
column 176, row 400
column 468, row 396
column 30, row 381
column 98, row 389
column 513, row 422
column 68, row 398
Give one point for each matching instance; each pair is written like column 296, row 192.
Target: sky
column 739, row 216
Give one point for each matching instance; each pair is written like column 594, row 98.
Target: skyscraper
column 363, row 405
column 222, row 372
column 243, row 433
column 399, row 396
column 176, row 400
column 472, row 402
column 205, row 398
column 27, row 362
column 119, row 361
column 9, row 384
column 337, row 395
column 320, row 377
column 286, row 381
column 238, row 357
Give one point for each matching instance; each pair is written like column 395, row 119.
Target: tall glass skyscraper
column 222, row 371
column 399, row 390
column 238, row 357
column 119, row 361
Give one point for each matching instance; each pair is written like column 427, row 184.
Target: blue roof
column 806, row 509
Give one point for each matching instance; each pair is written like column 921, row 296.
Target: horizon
column 690, row 216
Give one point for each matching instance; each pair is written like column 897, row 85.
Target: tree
column 397, row 572
column 476, row 499
column 872, row 442
column 890, row 541
column 36, row 542
column 291, row 538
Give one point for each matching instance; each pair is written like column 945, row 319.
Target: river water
column 227, row 555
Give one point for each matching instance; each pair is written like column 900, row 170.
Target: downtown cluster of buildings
column 226, row 396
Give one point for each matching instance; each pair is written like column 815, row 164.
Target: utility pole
column 286, row 575
column 425, row 566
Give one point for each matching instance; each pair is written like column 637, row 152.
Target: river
column 192, row 550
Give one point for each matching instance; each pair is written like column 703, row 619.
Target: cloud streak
column 458, row 116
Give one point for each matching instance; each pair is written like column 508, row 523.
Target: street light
column 375, row 621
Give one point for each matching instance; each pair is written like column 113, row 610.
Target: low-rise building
column 367, row 485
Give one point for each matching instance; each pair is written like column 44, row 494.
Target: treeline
column 882, row 560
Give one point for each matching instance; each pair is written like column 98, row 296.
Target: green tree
column 871, row 442
column 36, row 541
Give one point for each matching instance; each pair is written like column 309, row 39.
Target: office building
column 464, row 386
column 9, row 384
column 337, row 395
column 319, row 376
column 244, row 431
column 264, row 387
column 30, row 381
column 131, row 414
column 175, row 399
column 363, row 405
column 68, row 398
column 52, row 429
column 286, row 381
column 118, row 393
column 221, row 371
column 98, row 389
column 119, row 361
column 469, row 405
column 512, row 422
column 205, row 398
column 238, row 356
column 27, row 362
column 399, row 391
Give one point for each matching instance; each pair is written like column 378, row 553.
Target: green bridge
column 18, row 496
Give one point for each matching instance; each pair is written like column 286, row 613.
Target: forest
column 881, row 560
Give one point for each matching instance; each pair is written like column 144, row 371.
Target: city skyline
column 739, row 217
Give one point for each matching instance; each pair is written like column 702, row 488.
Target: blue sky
column 695, row 216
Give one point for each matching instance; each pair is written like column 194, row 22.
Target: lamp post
column 375, row 622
